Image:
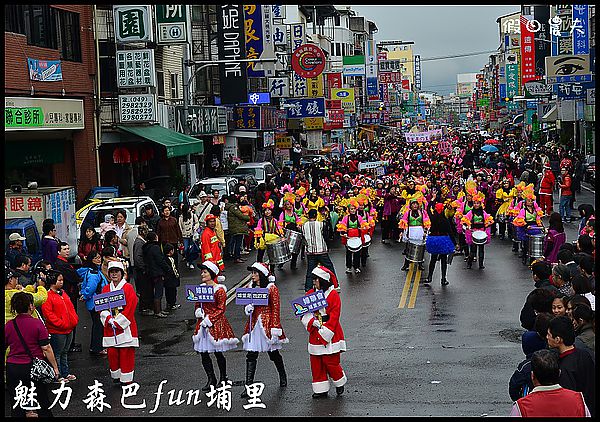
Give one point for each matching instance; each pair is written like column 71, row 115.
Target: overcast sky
column 441, row 31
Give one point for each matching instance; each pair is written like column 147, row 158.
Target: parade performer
column 389, row 225
column 367, row 214
column 477, row 220
column 120, row 328
column 266, row 230
column 463, row 206
column 213, row 333
column 264, row 332
column 326, row 338
column 290, row 220
column 528, row 221
column 350, row 229
column 503, row 199
column 413, row 224
column 546, row 187
column 440, row 242
column 313, row 201
column 513, row 210
column 211, row 246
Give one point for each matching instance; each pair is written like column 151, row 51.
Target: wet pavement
column 452, row 353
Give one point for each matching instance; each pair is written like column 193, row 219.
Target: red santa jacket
column 269, row 315
column 211, row 249
column 547, row 182
column 214, row 315
column 125, row 333
column 329, row 339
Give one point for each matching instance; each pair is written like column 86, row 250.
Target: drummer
column 529, row 217
column 289, row 220
column 364, row 212
column 462, row 208
column 349, row 229
column 503, row 199
column 476, row 222
column 413, row 223
column 513, row 210
column 267, row 225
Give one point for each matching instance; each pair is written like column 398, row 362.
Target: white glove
column 199, row 313
column 316, row 323
column 203, row 323
column 111, row 322
column 248, row 309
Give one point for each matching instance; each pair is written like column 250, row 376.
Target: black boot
column 339, row 390
column 210, row 372
column 469, row 262
column 222, row 364
column 278, row 361
column 444, row 282
column 250, row 371
column 405, row 266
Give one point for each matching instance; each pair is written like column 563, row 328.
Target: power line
column 459, row 55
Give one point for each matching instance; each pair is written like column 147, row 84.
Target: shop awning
column 177, row 144
column 551, row 116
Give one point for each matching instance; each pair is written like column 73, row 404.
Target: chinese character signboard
column 372, row 89
column 390, row 77
column 417, row 71
column 135, row 68
column 334, row 119
column 527, row 50
column 572, row 91
column 171, row 23
column 267, row 118
column 137, row 108
column 346, row 95
column 568, row 68
column 280, row 35
column 541, row 14
column 308, row 61
column 109, row 300
column 22, row 113
column 334, row 80
column 279, row 87
column 315, row 86
column 313, row 123
column 247, row 117
column 309, row 303
column 512, row 80
column 298, row 34
column 44, row 70
column 256, row 296
column 203, row 120
column 284, row 143
column 305, row 107
column 133, row 24
column 278, row 11
column 534, row 89
column 253, row 29
column 204, row 294
column 31, row 205
column 580, row 29
column 230, row 42
column 280, row 121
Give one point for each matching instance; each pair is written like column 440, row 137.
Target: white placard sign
column 135, row 68
column 133, row 24
column 137, row 108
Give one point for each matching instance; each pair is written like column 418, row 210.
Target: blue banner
column 372, row 88
column 247, row 117
column 259, row 98
column 44, row 70
column 253, row 28
column 573, row 91
column 581, row 44
column 305, row 107
column 502, row 94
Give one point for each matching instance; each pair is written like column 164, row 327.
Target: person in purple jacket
column 49, row 242
column 391, row 207
column 555, row 238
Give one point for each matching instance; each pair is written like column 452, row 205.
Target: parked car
column 309, row 159
column 225, row 185
column 262, row 172
column 161, row 187
column 251, row 181
column 27, row 228
column 82, row 212
column 590, row 170
column 99, row 193
column 133, row 206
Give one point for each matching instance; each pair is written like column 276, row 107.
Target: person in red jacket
column 564, row 183
column 326, row 337
column 548, row 399
column 546, row 188
column 61, row 318
column 211, row 247
column 120, row 328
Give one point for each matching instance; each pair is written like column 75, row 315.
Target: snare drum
column 367, row 241
column 479, row 237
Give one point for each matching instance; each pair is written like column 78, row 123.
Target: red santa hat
column 263, row 269
column 326, row 274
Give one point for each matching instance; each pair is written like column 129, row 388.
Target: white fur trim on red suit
column 207, row 322
column 326, row 333
column 329, row 349
column 115, row 374
column 103, row 316
column 320, row 387
column 341, row 381
column 307, row 320
column 122, row 321
column 329, row 290
column 276, row 332
column 124, row 339
column 128, row 377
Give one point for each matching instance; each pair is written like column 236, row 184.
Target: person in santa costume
column 211, row 246
column 263, row 332
column 326, row 339
column 213, row 333
column 120, row 328
column 546, row 187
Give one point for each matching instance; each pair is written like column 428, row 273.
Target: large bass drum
column 278, row 251
column 354, row 244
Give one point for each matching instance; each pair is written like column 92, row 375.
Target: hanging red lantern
column 121, row 155
column 135, row 154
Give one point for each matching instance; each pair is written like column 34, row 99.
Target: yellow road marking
column 406, row 288
column 413, row 296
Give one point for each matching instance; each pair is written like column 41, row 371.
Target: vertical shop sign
column 230, row 43
column 527, row 50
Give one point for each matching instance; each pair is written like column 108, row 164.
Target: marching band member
column 289, row 219
column 267, row 224
column 513, row 210
column 440, row 242
column 365, row 213
column 413, row 223
column 530, row 215
column 120, row 328
column 326, row 337
column 264, row 332
column 503, row 199
column 350, row 228
column 477, row 219
column 462, row 208
column 213, row 333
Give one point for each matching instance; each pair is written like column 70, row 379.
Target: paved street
column 451, row 354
